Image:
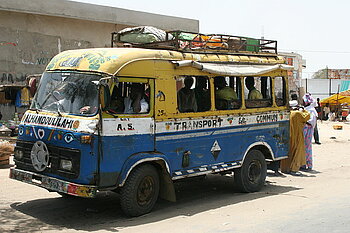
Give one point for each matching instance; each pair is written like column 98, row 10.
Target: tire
column 250, row 177
column 140, row 191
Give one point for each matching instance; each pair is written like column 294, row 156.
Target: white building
column 295, row 75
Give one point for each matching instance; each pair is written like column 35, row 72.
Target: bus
column 136, row 119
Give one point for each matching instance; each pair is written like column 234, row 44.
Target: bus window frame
column 210, row 84
column 269, row 102
column 143, row 80
column 284, row 91
column 243, row 109
column 237, row 88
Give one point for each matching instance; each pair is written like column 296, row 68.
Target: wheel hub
column 39, row 156
column 254, row 171
column 145, row 191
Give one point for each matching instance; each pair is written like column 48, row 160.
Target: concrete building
column 32, row 32
column 295, row 75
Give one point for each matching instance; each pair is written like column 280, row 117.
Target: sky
column 316, row 29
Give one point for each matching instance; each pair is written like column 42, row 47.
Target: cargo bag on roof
column 143, row 34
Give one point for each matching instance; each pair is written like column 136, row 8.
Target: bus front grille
column 56, row 154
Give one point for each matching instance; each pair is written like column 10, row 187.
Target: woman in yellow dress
column 296, row 158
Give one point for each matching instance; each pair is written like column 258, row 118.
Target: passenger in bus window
column 117, row 103
column 223, row 94
column 254, row 94
column 186, row 98
column 135, row 102
column 202, row 94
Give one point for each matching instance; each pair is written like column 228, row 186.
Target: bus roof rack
column 191, row 41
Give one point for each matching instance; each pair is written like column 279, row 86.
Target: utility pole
column 330, row 82
column 306, row 82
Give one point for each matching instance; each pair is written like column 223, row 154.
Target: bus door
column 127, row 126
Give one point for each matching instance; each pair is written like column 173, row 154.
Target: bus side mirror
column 105, row 96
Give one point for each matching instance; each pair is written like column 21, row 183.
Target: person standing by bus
column 319, row 116
column 296, row 155
column 309, row 104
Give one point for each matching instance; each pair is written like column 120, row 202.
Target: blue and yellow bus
column 135, row 120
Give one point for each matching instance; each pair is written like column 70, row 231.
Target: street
column 318, row 201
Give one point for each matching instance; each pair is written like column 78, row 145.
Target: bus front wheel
column 140, row 191
column 250, row 177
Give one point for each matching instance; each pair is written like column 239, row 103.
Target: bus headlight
column 86, row 139
column 18, row 154
column 66, row 164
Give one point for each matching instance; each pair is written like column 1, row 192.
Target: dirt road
column 315, row 202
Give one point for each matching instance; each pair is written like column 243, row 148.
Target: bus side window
column 258, row 92
column 280, row 91
column 186, row 99
column 235, row 84
column 226, row 89
column 129, row 98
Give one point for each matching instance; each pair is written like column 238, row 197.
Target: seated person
column 254, row 94
column 202, row 95
column 88, row 97
column 223, row 93
column 135, row 102
column 186, row 98
column 88, row 109
column 117, row 104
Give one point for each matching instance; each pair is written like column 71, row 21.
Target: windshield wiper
column 35, row 108
column 45, row 100
column 58, row 110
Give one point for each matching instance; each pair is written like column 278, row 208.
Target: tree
column 320, row 74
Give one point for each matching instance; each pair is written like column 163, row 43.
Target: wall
column 319, row 88
column 98, row 13
column 32, row 32
column 28, row 42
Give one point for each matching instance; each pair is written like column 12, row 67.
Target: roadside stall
column 338, row 103
column 6, row 150
column 15, row 99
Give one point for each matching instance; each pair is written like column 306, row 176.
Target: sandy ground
column 314, row 202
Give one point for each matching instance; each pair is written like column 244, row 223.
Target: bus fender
column 167, row 190
column 264, row 147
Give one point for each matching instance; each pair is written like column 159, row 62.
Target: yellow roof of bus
column 111, row 60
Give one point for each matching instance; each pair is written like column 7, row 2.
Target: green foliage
column 320, row 74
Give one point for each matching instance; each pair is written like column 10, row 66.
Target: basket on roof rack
column 151, row 37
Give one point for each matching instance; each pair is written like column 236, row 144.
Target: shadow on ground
column 104, row 213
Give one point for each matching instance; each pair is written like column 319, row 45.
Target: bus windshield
column 67, row 92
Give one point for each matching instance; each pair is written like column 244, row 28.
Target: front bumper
column 53, row 184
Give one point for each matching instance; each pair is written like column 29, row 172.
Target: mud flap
column 167, row 190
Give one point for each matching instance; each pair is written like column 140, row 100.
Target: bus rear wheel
column 140, row 191
column 250, row 177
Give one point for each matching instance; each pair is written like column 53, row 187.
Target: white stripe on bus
column 216, row 132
